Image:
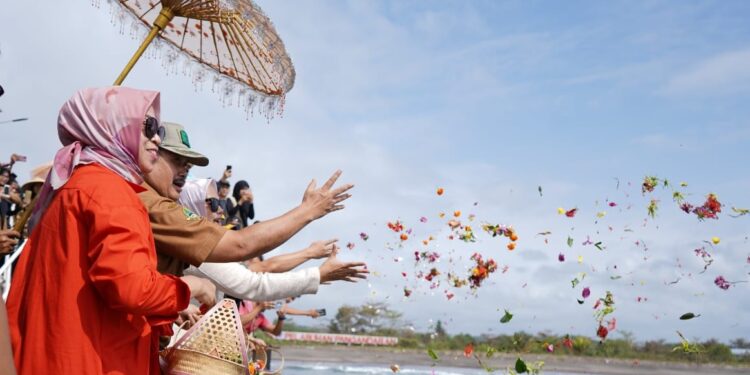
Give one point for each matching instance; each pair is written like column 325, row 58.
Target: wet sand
column 585, row 365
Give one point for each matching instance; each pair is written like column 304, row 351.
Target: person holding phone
column 225, row 201
column 243, row 195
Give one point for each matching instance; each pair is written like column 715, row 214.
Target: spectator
column 33, row 186
column 10, row 198
column 243, row 195
column 227, row 205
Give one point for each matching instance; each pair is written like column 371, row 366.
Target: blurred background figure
column 243, row 197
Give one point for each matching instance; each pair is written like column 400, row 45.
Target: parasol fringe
column 174, row 62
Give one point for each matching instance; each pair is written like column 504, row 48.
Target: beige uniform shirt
column 182, row 237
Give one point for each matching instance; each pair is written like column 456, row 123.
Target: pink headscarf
column 99, row 125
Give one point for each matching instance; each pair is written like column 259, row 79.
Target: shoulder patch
column 190, row 215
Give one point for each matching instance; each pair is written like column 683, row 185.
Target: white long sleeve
column 236, row 280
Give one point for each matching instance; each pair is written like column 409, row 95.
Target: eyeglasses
column 213, row 203
column 151, row 128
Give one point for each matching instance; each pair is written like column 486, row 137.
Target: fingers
column 355, row 264
column 311, row 186
column 341, row 198
column 332, row 180
column 341, row 189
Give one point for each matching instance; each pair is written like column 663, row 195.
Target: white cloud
column 726, row 73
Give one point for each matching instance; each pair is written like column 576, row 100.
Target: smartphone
column 6, row 190
column 229, row 167
column 321, row 312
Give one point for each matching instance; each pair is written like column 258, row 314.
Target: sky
column 488, row 100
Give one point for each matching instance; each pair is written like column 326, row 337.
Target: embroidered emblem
column 189, row 215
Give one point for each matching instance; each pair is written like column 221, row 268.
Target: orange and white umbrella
column 232, row 38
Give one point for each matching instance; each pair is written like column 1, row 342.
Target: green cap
column 176, row 140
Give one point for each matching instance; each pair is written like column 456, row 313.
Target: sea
column 317, row 368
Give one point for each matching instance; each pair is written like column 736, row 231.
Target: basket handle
column 277, row 371
column 167, row 351
column 181, row 327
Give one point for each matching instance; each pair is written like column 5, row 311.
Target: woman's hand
column 201, row 289
column 191, row 314
column 335, row 270
column 281, row 315
column 266, row 305
column 321, row 249
column 256, row 343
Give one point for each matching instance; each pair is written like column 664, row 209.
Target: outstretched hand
column 321, row 249
column 335, row 270
column 325, row 200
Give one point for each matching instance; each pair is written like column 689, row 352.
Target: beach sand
column 402, row 357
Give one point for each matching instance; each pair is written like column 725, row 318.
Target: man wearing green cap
column 183, row 237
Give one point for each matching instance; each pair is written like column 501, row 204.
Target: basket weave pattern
column 215, row 345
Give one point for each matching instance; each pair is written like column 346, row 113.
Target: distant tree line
column 378, row 319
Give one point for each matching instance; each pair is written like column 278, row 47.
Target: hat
column 38, row 175
column 176, row 140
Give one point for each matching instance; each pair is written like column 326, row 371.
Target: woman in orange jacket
column 86, row 298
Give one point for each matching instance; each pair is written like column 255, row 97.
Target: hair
column 223, row 184
column 239, row 186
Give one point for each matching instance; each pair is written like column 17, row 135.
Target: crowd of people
column 122, row 246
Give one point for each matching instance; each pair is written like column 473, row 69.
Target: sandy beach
column 388, row 356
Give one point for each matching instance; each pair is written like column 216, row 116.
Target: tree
column 740, row 343
column 367, row 318
column 439, row 330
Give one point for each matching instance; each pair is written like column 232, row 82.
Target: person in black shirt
column 225, row 202
column 244, row 198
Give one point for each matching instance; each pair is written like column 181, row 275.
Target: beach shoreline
column 501, row 361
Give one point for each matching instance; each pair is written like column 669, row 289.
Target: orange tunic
column 86, row 297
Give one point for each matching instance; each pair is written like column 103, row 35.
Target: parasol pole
column 160, row 23
column 24, row 216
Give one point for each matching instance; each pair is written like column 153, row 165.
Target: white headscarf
column 194, row 194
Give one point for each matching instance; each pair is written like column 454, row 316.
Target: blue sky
column 486, row 99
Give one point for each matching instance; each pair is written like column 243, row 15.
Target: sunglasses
column 214, row 203
column 151, row 128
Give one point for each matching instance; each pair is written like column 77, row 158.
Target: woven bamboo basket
column 215, row 345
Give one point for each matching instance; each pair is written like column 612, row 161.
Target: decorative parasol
column 231, row 39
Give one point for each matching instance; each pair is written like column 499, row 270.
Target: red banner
column 334, row 338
